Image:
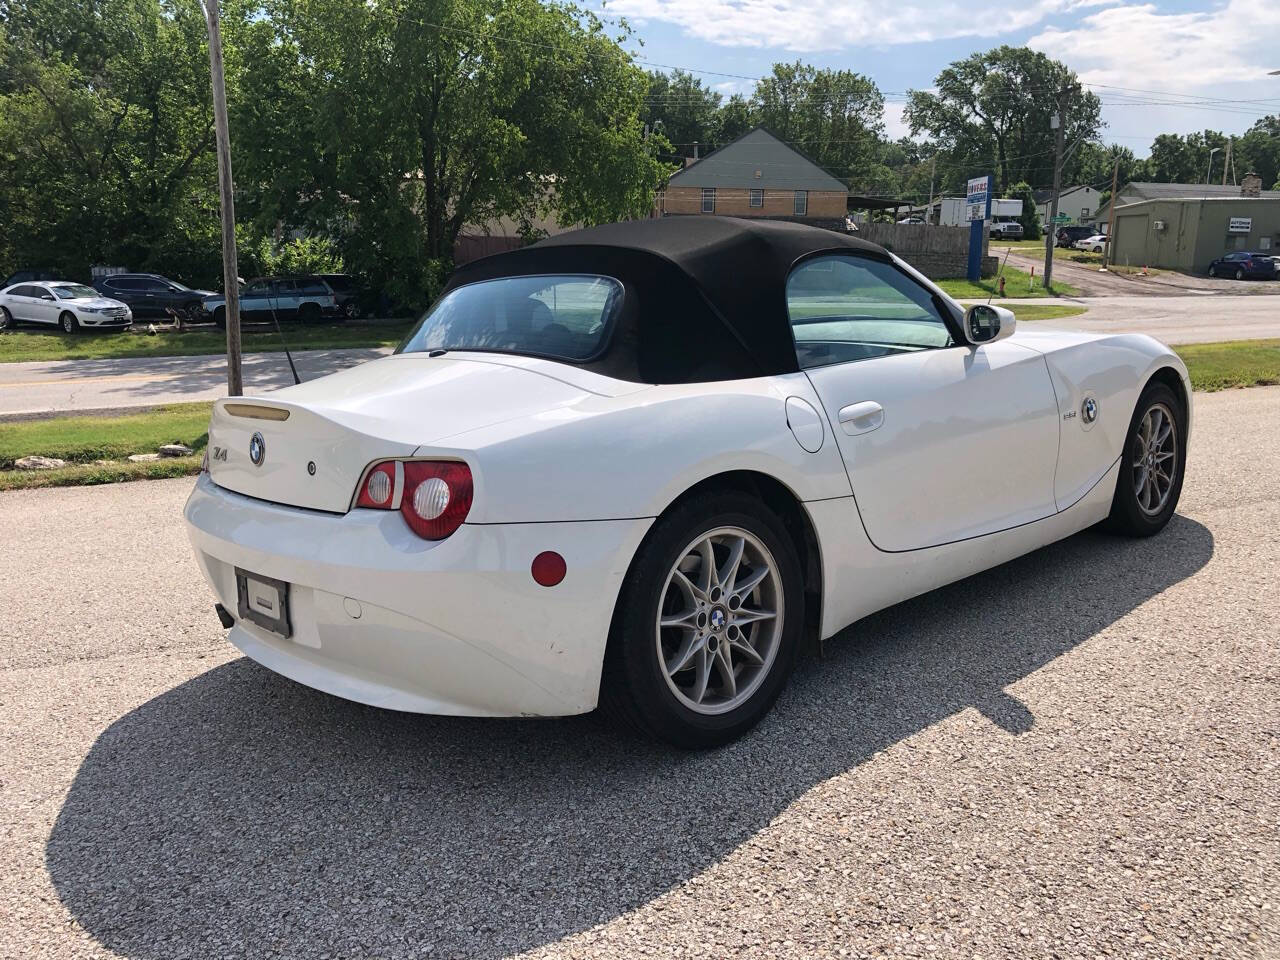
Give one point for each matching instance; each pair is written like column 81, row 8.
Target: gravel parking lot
column 1075, row 755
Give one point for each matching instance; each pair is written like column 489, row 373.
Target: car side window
column 845, row 308
column 22, row 292
column 40, row 293
column 258, row 289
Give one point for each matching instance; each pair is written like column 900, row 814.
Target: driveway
column 1092, row 282
column 1073, row 755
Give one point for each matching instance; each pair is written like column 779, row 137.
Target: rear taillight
column 433, row 496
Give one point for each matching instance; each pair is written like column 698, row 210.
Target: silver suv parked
column 307, row 299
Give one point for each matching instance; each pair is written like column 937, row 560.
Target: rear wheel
column 1152, row 465
column 1213, row 271
column 220, row 317
column 6, row 319
column 708, row 623
column 1239, row 274
column 68, row 322
column 309, row 313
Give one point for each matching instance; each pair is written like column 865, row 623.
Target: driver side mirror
column 984, row 323
column 46, row 296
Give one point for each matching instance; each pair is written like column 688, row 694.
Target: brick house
column 756, row 175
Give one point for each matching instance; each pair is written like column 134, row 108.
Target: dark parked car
column 1245, row 264
column 1067, row 236
column 347, row 292
column 33, row 275
column 151, row 295
column 308, row 299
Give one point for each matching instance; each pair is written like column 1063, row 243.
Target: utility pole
column 1226, row 161
column 1111, row 217
column 933, row 169
column 230, row 269
column 1056, row 123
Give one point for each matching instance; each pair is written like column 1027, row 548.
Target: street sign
column 976, row 197
column 1062, row 218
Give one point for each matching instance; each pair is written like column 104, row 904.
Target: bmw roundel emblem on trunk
column 257, row 449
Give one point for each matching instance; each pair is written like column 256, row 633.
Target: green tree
column 1030, row 218
column 992, row 111
column 1258, row 150
column 424, row 116
column 107, row 137
column 683, row 110
column 836, row 117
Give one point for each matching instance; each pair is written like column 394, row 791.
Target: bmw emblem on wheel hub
column 257, row 449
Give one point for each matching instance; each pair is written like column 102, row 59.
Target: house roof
column 1045, row 196
column 705, row 296
column 1184, row 191
column 757, row 160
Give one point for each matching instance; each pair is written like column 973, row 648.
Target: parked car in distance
column 1244, row 264
column 31, row 275
column 346, row 290
column 306, row 299
column 447, row 530
column 1067, row 236
column 1006, row 230
column 151, row 295
column 912, row 220
column 71, row 306
column 1094, row 243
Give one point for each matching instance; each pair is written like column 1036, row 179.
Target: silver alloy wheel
column 1155, row 459
column 68, row 324
column 6, row 318
column 719, row 621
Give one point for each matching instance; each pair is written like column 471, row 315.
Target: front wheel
column 220, row 318
column 1152, row 465
column 1239, row 274
column 68, row 322
column 708, row 624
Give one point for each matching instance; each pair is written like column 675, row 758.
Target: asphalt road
column 71, row 385
column 1075, row 755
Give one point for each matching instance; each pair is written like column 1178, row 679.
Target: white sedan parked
column 71, row 306
column 1094, row 244
column 647, row 464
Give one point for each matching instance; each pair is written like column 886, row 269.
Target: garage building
column 1186, row 233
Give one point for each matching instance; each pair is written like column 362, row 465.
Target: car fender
column 607, row 458
column 1099, row 377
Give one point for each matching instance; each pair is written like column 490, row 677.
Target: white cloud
column 895, row 127
column 813, row 25
column 1140, row 47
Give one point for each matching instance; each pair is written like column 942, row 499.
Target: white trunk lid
column 379, row 410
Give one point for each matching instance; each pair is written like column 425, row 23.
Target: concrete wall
column 937, row 252
column 736, row 202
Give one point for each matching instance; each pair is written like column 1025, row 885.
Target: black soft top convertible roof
column 705, row 296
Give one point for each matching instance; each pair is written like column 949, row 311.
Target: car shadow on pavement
column 241, row 813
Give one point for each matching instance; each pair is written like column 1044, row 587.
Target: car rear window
column 565, row 317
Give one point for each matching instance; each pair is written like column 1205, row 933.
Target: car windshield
column 175, row 284
column 75, row 291
column 563, row 317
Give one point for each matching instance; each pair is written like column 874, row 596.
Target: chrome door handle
column 861, row 417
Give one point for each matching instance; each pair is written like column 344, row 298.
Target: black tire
column 220, row 317
column 1128, row 516
column 6, row 319
column 1213, row 271
column 190, row 310
column 68, row 323
column 309, row 313
column 1239, row 274
column 634, row 688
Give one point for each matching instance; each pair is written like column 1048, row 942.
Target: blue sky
column 1170, row 66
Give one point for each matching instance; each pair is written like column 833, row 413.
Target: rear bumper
column 382, row 617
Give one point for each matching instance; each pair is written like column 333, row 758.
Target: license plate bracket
column 264, row 601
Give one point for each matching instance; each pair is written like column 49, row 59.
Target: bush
column 1030, row 218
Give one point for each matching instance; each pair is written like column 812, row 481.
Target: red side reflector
column 548, row 568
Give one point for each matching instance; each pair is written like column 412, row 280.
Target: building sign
column 1240, row 225
column 976, row 199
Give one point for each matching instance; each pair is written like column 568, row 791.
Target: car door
column 255, row 300
column 128, row 291
column 43, row 305
column 942, row 441
column 18, row 300
column 286, row 299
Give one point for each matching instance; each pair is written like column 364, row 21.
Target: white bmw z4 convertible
column 642, row 465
